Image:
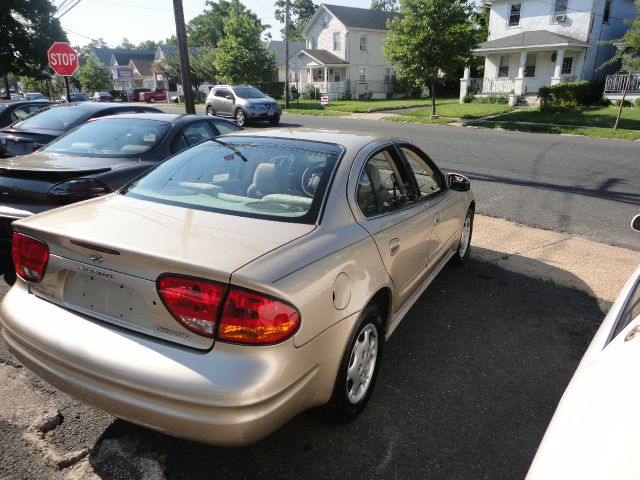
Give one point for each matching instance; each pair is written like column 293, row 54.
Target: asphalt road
column 583, row 186
column 467, row 386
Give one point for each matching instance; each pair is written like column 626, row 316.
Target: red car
column 157, row 95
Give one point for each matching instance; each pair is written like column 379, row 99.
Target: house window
column 530, row 66
column 607, row 11
column 503, row 70
column 336, row 41
column 325, row 21
column 363, row 42
column 313, row 43
column 567, row 64
column 514, row 15
column 362, row 77
column 560, row 11
column 389, row 75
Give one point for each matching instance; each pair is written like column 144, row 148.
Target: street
column 468, row 384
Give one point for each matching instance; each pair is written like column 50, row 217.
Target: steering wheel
column 311, row 179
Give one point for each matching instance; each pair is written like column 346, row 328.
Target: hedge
column 570, row 94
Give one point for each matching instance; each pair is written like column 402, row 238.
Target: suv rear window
column 270, row 178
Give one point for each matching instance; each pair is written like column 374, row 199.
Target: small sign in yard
column 324, row 100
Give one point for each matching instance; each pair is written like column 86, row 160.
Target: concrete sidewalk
column 566, row 260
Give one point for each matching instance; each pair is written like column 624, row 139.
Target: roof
column 170, row 50
column 324, row 57
column 123, row 57
column 278, row 47
column 361, row 17
column 534, row 38
column 143, row 65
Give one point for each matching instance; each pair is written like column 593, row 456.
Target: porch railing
column 616, row 83
column 332, row 87
column 491, row 85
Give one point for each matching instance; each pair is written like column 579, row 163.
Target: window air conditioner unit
column 559, row 18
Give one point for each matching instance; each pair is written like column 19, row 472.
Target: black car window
column 192, row 134
column 224, row 127
column 426, row 177
column 382, row 186
column 54, row 118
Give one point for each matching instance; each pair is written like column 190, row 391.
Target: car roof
column 161, row 117
column 100, row 105
column 347, row 140
column 27, row 102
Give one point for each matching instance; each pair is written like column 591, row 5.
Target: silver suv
column 242, row 102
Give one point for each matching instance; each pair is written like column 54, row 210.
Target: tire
column 275, row 120
column 210, row 111
column 464, row 245
column 152, row 100
column 366, row 342
column 241, row 118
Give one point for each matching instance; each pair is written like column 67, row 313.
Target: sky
column 140, row 20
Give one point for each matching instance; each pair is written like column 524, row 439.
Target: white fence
column 618, row 83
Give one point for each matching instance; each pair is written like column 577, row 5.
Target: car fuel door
column 395, row 220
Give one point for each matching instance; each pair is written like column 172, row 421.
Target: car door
column 445, row 208
column 395, row 220
column 221, row 104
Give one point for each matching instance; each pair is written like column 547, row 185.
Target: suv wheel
column 210, row 111
column 241, row 118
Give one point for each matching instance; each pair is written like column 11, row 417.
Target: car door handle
column 394, row 246
column 436, row 219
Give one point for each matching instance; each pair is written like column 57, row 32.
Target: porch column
column 326, row 86
column 464, row 83
column 518, row 87
column 557, row 72
column 579, row 68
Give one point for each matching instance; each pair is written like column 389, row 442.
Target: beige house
column 343, row 53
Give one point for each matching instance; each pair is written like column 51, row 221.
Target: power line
column 69, row 8
column 142, row 7
column 84, row 36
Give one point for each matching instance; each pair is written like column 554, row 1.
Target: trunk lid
column 107, row 253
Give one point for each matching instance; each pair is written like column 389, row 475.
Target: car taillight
column 194, row 303
column 30, row 257
column 249, row 317
column 75, row 190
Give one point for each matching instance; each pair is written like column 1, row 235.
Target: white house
column 343, row 53
column 545, row 42
column 278, row 47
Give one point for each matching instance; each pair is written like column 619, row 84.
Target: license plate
column 19, row 148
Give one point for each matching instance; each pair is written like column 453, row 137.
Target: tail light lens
column 76, row 190
column 30, row 257
column 192, row 302
column 252, row 318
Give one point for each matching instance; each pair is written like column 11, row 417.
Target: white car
column 595, row 431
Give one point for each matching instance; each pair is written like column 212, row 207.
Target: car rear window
column 55, row 118
column 270, row 178
column 111, row 137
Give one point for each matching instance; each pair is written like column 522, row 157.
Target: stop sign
column 62, row 59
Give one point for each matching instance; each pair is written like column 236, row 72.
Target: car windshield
column 78, row 97
column 270, row 178
column 55, row 118
column 248, row 92
column 111, row 137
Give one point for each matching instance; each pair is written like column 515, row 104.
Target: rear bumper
column 230, row 395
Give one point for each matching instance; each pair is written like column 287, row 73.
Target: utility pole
column 286, row 54
column 183, row 51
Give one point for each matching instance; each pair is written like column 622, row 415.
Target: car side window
column 222, row 93
column 192, row 134
column 225, row 127
column 630, row 312
column 20, row 113
column 382, row 186
column 427, row 179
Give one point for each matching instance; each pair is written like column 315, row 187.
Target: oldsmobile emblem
column 96, row 258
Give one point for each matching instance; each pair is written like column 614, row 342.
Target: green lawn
column 357, row 106
column 603, row 117
column 558, row 129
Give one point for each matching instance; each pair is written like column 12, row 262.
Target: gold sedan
column 240, row 282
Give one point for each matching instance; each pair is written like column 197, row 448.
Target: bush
column 468, row 97
column 603, row 102
column 311, row 93
column 273, row 89
column 570, row 95
column 492, row 99
column 625, row 104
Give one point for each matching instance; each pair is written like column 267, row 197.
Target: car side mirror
column 635, row 223
column 458, row 182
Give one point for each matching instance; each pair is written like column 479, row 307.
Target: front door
column 223, row 102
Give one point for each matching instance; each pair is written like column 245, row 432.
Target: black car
column 27, row 135
column 76, row 97
column 11, row 112
column 96, row 158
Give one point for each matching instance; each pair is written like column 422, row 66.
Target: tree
column 149, row 45
column 202, row 68
column 126, row 44
column 385, row 5
column 300, row 12
column 627, row 55
column 207, row 29
column 241, row 56
column 27, row 30
column 430, row 40
column 95, row 75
